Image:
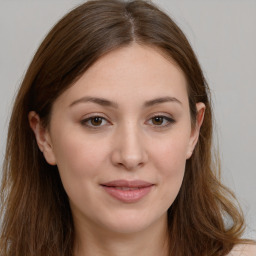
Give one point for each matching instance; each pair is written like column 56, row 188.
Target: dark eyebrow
column 107, row 103
column 161, row 100
column 100, row 101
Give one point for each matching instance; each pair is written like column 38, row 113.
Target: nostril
column 129, row 154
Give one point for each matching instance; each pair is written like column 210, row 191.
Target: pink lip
column 128, row 191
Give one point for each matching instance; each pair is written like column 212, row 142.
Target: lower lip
column 128, row 196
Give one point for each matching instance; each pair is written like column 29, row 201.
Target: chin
column 130, row 222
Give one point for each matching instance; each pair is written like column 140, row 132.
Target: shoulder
column 243, row 250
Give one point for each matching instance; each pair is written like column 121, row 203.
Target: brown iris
column 96, row 121
column 158, row 120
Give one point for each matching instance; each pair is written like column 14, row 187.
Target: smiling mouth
column 126, row 188
column 128, row 191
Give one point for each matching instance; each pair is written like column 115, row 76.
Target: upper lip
column 128, row 183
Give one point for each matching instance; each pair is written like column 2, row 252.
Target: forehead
column 129, row 71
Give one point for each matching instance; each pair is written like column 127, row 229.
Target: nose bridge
column 129, row 150
column 131, row 139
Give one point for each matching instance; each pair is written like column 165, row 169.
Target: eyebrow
column 108, row 103
column 161, row 100
column 100, row 101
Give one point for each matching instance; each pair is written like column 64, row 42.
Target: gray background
column 223, row 35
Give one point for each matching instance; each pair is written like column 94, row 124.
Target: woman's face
column 120, row 137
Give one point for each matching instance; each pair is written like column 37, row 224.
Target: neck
column 98, row 242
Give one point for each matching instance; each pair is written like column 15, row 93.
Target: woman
column 109, row 144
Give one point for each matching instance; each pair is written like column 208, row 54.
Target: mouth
column 128, row 191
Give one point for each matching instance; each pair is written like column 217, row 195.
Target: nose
column 129, row 151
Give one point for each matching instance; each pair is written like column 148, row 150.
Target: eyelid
column 89, row 117
column 170, row 120
column 167, row 117
column 161, row 114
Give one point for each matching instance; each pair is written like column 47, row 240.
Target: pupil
column 96, row 121
column 158, row 120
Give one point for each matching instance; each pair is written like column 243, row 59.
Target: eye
column 94, row 121
column 161, row 121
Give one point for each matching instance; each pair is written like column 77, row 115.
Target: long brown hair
column 36, row 217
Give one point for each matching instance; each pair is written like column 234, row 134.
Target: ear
column 42, row 137
column 196, row 129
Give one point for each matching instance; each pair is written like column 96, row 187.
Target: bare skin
column 98, row 242
column 128, row 143
column 243, row 250
column 127, row 118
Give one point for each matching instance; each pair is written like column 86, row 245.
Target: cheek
column 169, row 158
column 79, row 163
column 78, row 160
column 170, row 153
column 171, row 166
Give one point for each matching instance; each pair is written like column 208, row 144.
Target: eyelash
column 85, row 122
column 169, row 121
